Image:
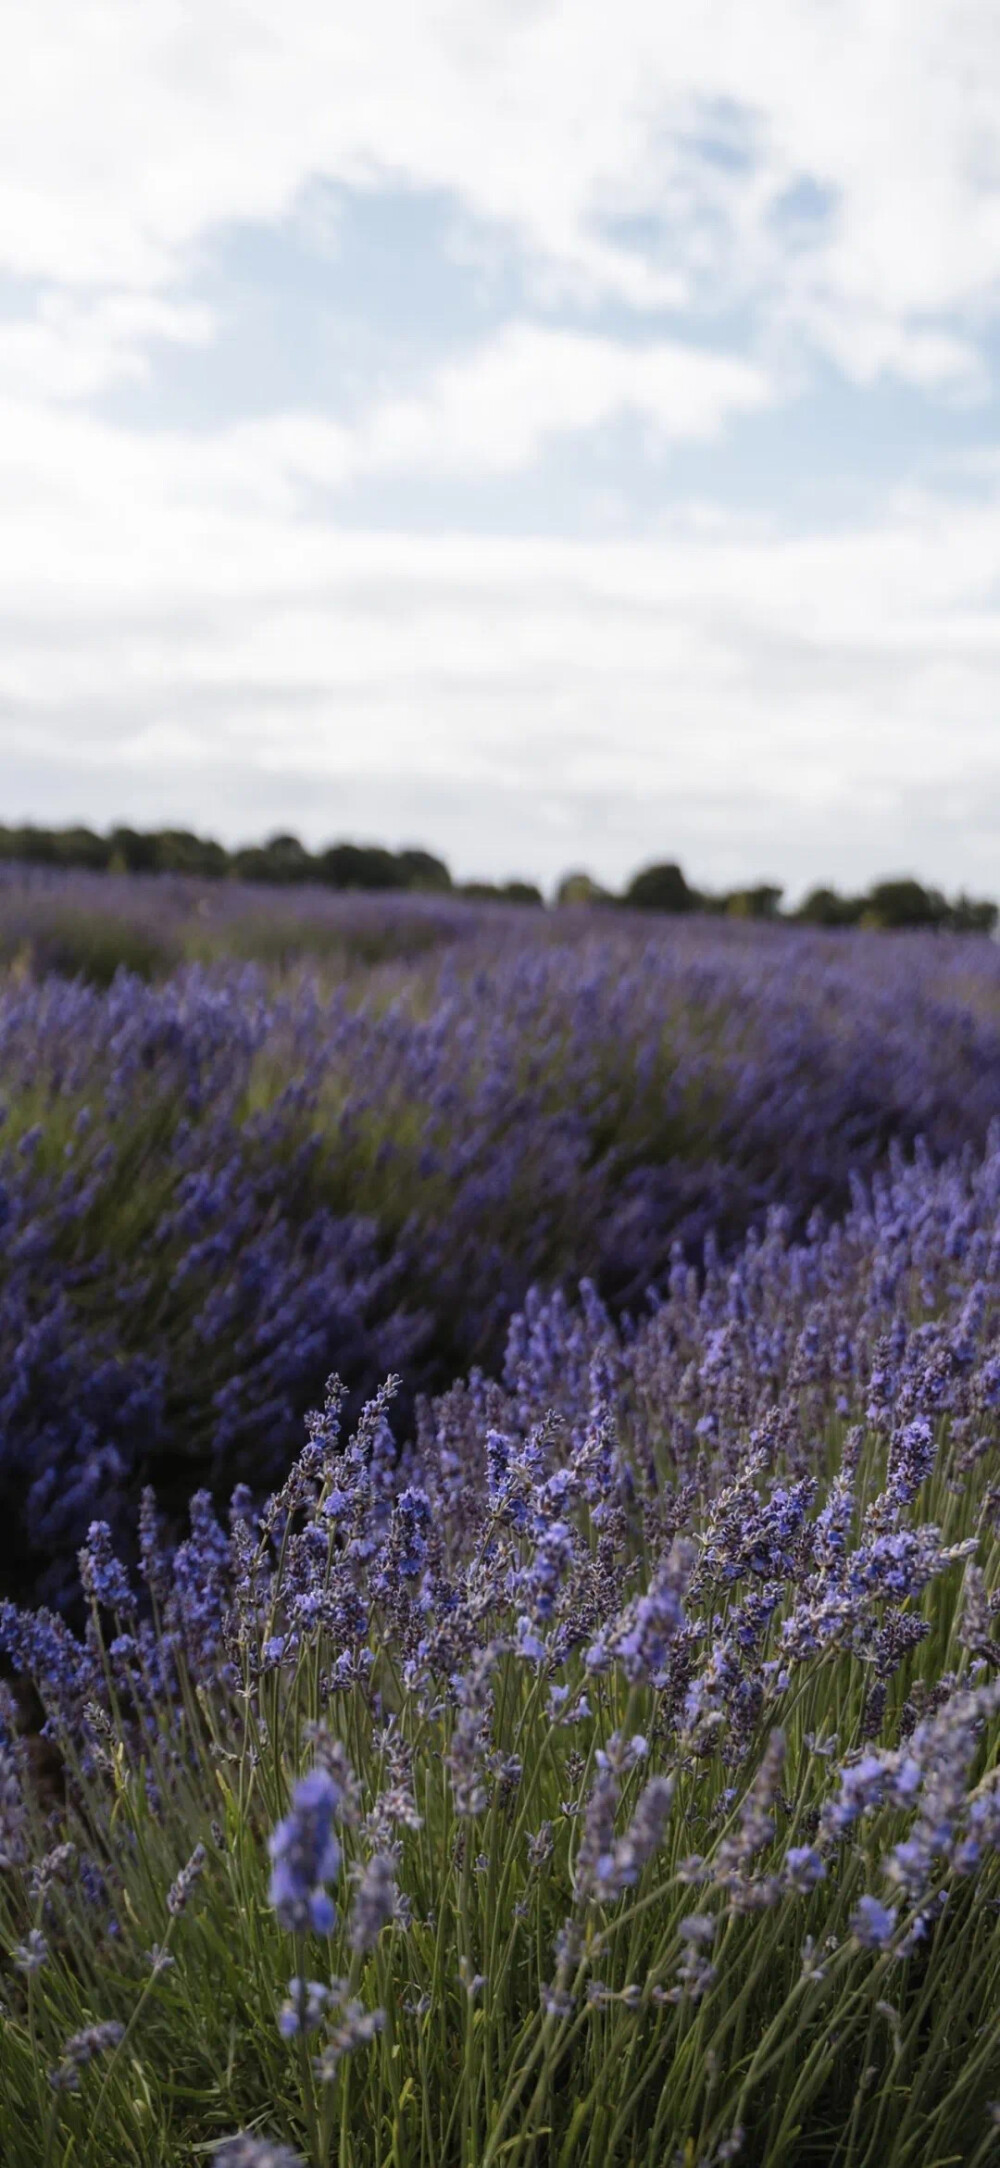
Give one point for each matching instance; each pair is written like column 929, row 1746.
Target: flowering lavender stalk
column 595, row 1856
column 633, row 1852
column 247, row 2151
column 872, row 1923
column 80, row 2050
column 305, row 1855
column 102, row 1576
column 695, row 1973
column 374, row 1904
column 303, row 2010
column 180, row 1890
column 353, row 2027
column 31, row 1954
column 13, row 1816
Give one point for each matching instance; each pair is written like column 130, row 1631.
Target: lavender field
column 500, row 1535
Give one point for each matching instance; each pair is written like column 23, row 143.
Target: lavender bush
column 611, row 1775
column 217, row 1189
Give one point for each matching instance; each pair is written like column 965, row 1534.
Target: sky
column 557, row 435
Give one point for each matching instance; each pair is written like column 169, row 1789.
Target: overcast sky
column 558, row 435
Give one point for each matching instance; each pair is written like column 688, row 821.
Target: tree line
column 283, row 861
column 888, row 905
column 280, row 862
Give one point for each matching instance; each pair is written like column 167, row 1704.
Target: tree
column 423, row 871
column 661, row 888
column 825, row 907
column 759, row 902
column 904, row 902
column 178, row 851
column 356, row 865
column 281, row 859
column 575, row 888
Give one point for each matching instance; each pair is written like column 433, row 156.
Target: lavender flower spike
column 374, row 1905
column 245, row 2151
column 81, row 2049
column 180, row 1890
column 305, row 1855
column 872, row 1923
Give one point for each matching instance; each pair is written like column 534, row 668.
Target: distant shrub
column 894, row 904
column 825, row 907
column 661, row 888
column 898, row 906
column 353, row 865
column 502, row 892
column 425, row 872
column 762, row 902
column 282, row 859
column 580, row 888
column 965, row 916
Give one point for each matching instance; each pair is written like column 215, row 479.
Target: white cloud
column 550, row 120
column 174, row 629
column 494, row 411
column 76, row 348
column 498, row 406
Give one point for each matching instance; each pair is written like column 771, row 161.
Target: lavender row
column 216, row 1191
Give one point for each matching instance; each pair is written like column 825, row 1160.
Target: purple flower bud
column 305, row 1854
column 872, row 1923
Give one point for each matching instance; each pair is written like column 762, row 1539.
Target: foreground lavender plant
column 611, row 1775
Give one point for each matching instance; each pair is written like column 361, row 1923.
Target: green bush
column 661, row 888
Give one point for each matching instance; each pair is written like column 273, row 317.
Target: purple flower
column 246, row 2151
column 803, row 1868
column 374, row 1903
column 102, row 1576
column 305, row 1855
column 180, row 1890
column 303, row 2010
column 413, row 1518
column 644, row 1635
column 81, row 2049
column 872, row 1923
column 911, row 1458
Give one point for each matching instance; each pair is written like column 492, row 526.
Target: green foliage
column 577, row 888
column 661, row 888
column 280, row 862
column 353, row 865
column 892, row 906
column 501, row 892
column 762, row 902
column 282, row 859
column 825, row 907
column 425, row 872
